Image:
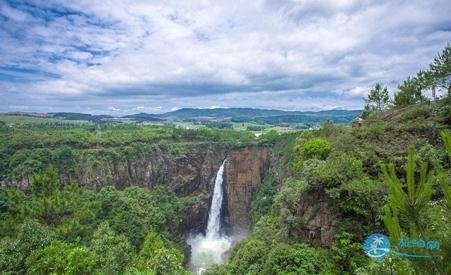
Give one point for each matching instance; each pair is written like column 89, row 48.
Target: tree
column 409, row 206
column 295, row 259
column 133, row 211
column 45, row 184
column 378, row 100
column 155, row 258
column 410, row 212
column 32, row 236
column 440, row 70
column 113, row 252
column 346, row 254
column 61, row 258
column 410, row 92
column 315, row 148
column 248, row 257
column 446, row 137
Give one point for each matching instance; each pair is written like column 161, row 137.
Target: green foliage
column 269, row 138
column 440, row 70
column 65, row 159
column 32, row 236
column 315, row 148
column 346, row 254
column 61, row 258
column 429, row 154
column 112, row 251
column 332, row 172
column 264, row 198
column 13, row 211
column 72, row 214
column 269, row 229
column 248, row 257
column 45, row 184
column 407, row 211
column 408, row 205
column 295, row 259
column 254, row 256
column 378, row 100
column 155, row 258
column 134, row 211
column 437, row 76
column 446, row 137
column 409, row 93
column 377, row 131
column 360, row 198
column 71, row 211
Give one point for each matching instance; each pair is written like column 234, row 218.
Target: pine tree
column 409, row 205
column 440, row 70
column 408, row 210
column 410, row 92
column 378, row 100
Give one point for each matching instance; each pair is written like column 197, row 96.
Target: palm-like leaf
column 407, row 204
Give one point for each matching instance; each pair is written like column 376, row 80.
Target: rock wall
column 190, row 172
column 245, row 169
column 319, row 214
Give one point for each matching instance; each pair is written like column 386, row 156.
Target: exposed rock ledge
column 245, row 169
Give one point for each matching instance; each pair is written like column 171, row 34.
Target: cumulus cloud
column 304, row 54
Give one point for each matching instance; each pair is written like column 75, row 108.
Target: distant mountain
column 252, row 114
column 307, row 118
column 79, row 116
column 223, row 113
column 144, row 116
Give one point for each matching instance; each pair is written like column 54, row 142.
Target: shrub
column 332, row 172
column 263, row 201
column 32, row 236
column 155, row 258
column 377, row 131
column 112, row 251
column 248, row 257
column 346, row 254
column 315, row 148
column 295, row 259
column 61, row 258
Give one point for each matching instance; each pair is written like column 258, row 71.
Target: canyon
column 191, row 173
column 188, row 173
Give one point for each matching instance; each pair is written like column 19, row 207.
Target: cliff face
column 319, row 213
column 245, row 169
column 189, row 172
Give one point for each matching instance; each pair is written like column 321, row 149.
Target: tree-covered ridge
column 71, row 230
column 339, row 171
column 413, row 90
column 26, row 150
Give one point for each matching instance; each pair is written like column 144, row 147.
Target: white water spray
column 210, row 249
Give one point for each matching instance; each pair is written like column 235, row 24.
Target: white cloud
column 111, row 108
column 172, row 53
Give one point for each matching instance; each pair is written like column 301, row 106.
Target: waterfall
column 214, row 219
column 210, row 249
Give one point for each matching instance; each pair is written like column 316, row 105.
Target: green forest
column 61, row 213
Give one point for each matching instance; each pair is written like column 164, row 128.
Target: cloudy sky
column 121, row 57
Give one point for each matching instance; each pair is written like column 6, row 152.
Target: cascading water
column 210, row 249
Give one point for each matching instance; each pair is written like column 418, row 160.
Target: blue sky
column 121, row 57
